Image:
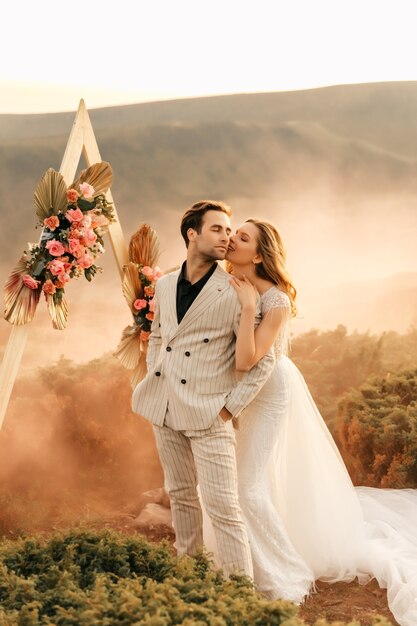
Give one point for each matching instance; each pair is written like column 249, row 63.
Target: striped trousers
column 207, row 458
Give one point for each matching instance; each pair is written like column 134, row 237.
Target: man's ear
column 191, row 234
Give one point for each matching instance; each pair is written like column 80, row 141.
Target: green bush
column 85, row 578
column 377, row 431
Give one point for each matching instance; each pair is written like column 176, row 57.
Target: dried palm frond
column 144, row 246
column 131, row 286
column 20, row 301
column 50, row 195
column 99, row 176
column 131, row 352
column 143, row 250
column 129, row 349
column 58, row 312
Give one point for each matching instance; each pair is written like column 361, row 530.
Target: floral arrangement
column 145, row 307
column 140, row 276
column 73, row 221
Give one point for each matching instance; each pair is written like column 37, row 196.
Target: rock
column 156, row 496
column 153, row 514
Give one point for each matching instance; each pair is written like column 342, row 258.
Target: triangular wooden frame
column 81, row 141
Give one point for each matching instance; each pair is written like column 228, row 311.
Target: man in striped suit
column 191, row 391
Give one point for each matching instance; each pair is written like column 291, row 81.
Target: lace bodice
column 276, row 302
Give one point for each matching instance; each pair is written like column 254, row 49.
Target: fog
column 71, row 450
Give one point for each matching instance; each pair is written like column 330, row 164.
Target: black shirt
column 186, row 292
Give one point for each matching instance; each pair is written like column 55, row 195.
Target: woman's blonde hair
column 273, row 253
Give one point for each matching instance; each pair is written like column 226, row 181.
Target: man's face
column 213, row 240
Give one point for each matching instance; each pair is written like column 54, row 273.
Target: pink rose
column 139, row 304
column 55, row 247
column 144, row 335
column 56, row 267
column 29, row 281
column 67, row 266
column 147, row 271
column 152, row 305
column 49, row 287
column 51, row 222
column 58, row 284
column 74, row 215
column 157, row 273
column 72, row 195
column 75, row 247
column 85, row 261
column 90, row 237
column 86, row 190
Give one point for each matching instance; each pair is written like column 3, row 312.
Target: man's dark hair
column 193, row 217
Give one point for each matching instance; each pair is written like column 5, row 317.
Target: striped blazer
column 191, row 365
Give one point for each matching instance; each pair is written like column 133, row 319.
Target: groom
column 191, row 391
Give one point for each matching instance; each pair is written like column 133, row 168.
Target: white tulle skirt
column 305, row 518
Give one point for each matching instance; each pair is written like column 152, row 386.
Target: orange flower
column 49, row 287
column 72, row 195
column 51, row 222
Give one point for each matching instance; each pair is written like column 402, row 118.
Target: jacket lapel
column 209, row 294
column 171, row 298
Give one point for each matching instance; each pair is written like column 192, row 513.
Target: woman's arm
column 253, row 343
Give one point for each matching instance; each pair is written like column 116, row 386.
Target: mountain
column 334, row 168
column 374, row 112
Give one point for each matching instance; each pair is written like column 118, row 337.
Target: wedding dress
column 305, row 519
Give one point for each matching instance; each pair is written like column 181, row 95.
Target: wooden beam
column 115, row 232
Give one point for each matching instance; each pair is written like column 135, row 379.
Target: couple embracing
column 281, row 506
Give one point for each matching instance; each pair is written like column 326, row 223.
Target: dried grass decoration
column 140, row 276
column 73, row 221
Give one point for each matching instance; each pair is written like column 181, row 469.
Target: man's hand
column 225, row 414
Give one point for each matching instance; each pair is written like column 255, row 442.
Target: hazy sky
column 54, row 53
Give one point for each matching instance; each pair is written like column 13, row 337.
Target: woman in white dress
column 305, row 519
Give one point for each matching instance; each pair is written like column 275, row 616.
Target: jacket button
column 157, row 373
column 187, row 353
column 183, row 381
column 169, row 348
column 206, row 340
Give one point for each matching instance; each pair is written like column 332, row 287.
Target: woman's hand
column 246, row 292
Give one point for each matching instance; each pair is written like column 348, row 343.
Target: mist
column 71, row 450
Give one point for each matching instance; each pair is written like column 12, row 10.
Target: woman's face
column 243, row 244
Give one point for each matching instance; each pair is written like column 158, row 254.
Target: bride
column 305, row 519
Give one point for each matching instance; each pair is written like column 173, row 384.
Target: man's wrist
column 225, row 414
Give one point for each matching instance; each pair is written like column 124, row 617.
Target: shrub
column 377, row 431
column 85, row 578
